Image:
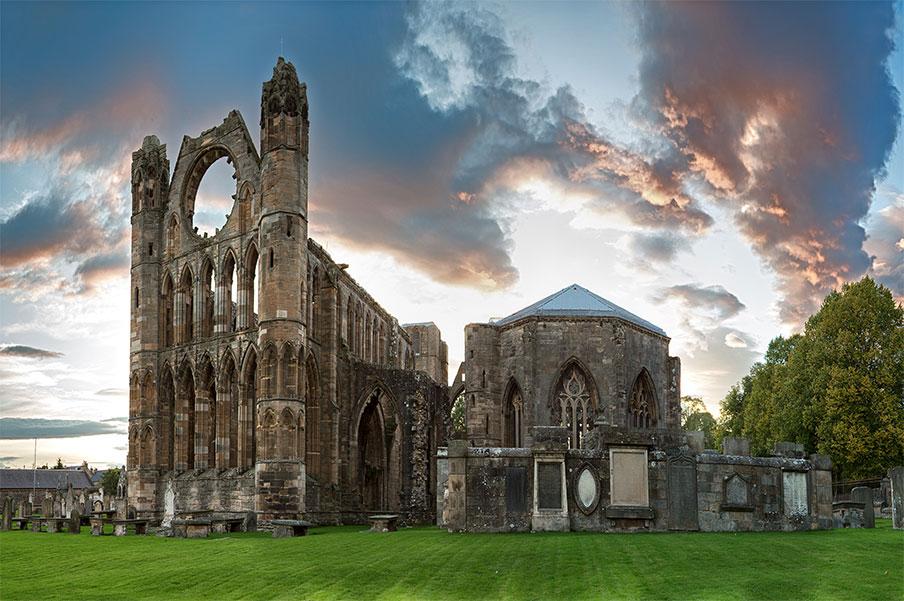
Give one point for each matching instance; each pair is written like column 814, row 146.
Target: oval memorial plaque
column 587, row 490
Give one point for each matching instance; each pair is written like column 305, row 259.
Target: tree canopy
column 694, row 416
column 838, row 387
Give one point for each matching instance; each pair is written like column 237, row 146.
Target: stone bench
column 196, row 528
column 121, row 527
column 286, row 528
column 22, row 522
column 383, row 523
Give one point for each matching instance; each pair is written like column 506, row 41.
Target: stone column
column 821, row 485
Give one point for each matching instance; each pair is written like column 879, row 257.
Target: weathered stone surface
column 549, row 485
column 736, row 446
column 7, row 519
column 864, row 495
column 516, row 491
column 896, row 475
column 695, row 441
column 794, row 492
column 315, row 401
column 682, row 505
column 789, row 449
column 75, row 522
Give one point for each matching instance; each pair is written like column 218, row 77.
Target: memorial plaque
column 683, row 493
column 794, row 490
column 864, row 494
column 587, row 490
column 516, row 489
column 549, row 485
column 629, row 483
column 736, row 491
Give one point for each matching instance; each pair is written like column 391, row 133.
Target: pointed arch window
column 574, row 405
column 642, row 405
column 514, row 419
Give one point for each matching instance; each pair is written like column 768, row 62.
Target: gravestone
column 57, row 508
column 682, row 493
column 794, row 491
column 793, row 450
column 864, row 494
column 696, row 441
column 7, row 523
column 75, row 520
column 47, row 507
column 735, row 494
column 97, row 506
column 549, row 485
column 515, row 489
column 736, row 446
column 27, row 509
column 169, row 505
column 896, row 475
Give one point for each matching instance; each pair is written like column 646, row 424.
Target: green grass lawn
column 428, row 563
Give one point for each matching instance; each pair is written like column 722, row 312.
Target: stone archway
column 372, row 460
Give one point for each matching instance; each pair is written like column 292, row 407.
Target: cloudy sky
column 713, row 168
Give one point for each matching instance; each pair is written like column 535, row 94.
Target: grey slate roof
column 11, row 478
column 577, row 301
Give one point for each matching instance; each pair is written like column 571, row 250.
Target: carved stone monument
column 896, row 475
column 864, row 494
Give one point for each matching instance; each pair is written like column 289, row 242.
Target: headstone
column 696, row 441
column 57, row 508
column 735, row 493
column 864, row 494
column 794, row 491
column 97, row 506
column 516, row 489
column 896, row 475
column 788, row 449
column 549, row 485
column 682, row 493
column 250, row 523
column 47, row 507
column 27, row 509
column 736, row 446
column 169, row 505
column 75, row 520
column 7, row 523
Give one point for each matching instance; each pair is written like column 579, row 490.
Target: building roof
column 577, row 301
column 26, row 478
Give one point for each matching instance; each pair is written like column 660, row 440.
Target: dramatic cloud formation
column 886, row 245
column 715, row 299
column 30, row 352
column 525, row 141
column 12, row 428
column 789, row 114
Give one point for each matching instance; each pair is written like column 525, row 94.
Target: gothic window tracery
column 642, row 407
column 575, row 405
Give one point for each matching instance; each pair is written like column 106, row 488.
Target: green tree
column 459, row 427
column 849, row 379
column 838, row 388
column 695, row 417
column 59, row 464
column 109, row 481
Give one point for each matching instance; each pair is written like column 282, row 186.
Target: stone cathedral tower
column 263, row 377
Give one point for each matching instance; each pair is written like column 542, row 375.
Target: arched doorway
column 372, row 466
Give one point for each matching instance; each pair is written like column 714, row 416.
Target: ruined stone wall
column 492, row 490
column 533, row 355
column 231, row 491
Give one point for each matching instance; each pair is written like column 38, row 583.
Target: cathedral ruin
column 263, row 377
column 266, row 382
